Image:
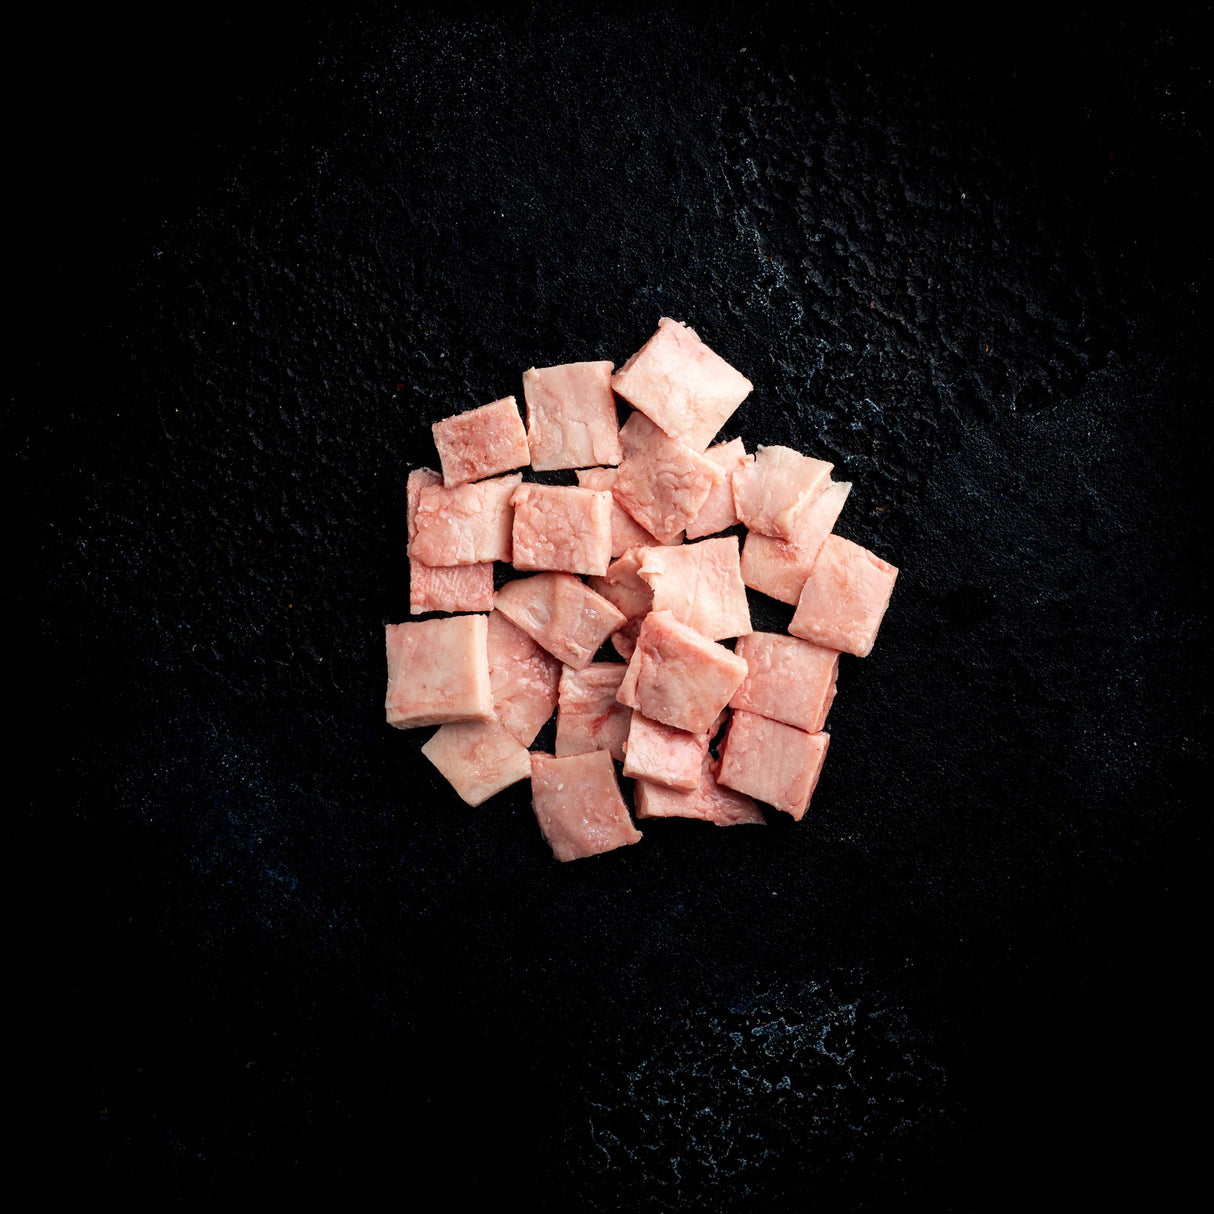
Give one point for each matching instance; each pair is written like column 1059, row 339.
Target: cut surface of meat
column 718, row 512
column 466, row 525
column 700, row 584
column 578, row 805
column 524, row 678
column 478, row 759
column 454, row 588
column 626, row 532
column 709, row 801
column 588, row 716
column 773, row 494
column 562, row 527
column 438, row 672
column 571, row 418
column 481, row 442
column 563, row 614
column 662, row 754
column 683, row 386
column 844, row 598
column 772, row 762
column 787, row 679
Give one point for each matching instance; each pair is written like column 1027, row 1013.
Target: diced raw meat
column 844, row 598
column 562, row 527
column 773, row 494
column 626, row 532
column 479, row 758
column 662, row 754
column 564, row 615
column 524, row 677
column 772, row 762
column 718, row 512
column 467, row 525
column 682, row 385
column 779, row 567
column 438, row 671
column 708, row 801
column 571, row 419
column 578, row 805
column 700, row 584
column 787, row 679
column 481, row 442
column 678, row 676
column 458, row 588
column 662, row 483
column 588, row 716
column 623, row 587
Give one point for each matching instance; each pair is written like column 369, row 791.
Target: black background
column 265, row 951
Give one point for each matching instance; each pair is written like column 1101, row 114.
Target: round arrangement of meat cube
column 707, row 718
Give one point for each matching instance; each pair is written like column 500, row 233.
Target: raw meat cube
column 565, row 616
column 708, row 801
column 624, row 587
column 844, row 598
column 562, row 527
column 479, row 758
column 664, row 755
column 438, row 671
column 700, row 584
column 467, row 525
column 662, row 483
column 773, row 494
column 456, row 588
column 626, row 532
column 787, row 679
column 524, row 677
column 678, row 676
column 481, row 442
column 571, row 419
column 577, row 803
column 588, row 716
column 779, row 567
column 682, row 385
column 772, row 762
column 718, row 512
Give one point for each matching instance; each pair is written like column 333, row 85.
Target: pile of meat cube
column 625, row 556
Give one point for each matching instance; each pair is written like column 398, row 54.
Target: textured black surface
column 965, row 264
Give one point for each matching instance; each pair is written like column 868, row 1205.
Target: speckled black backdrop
column 965, row 263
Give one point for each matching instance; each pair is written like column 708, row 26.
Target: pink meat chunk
column 700, row 584
column 779, row 567
column 578, row 805
column 481, row 442
column 478, row 758
column 524, row 678
column 773, row 494
column 772, row 762
column 787, row 679
column 844, row 598
column 458, row 588
column 662, row 483
column 438, row 672
column 682, row 385
column 663, row 755
column 588, row 716
column 678, row 676
column 571, row 418
column 624, row 587
column 708, row 801
column 467, row 525
column 562, row 527
column 626, row 532
column 564, row 615
column 718, row 512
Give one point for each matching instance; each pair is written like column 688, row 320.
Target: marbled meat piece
column 778, row 568
column 773, row 494
column 700, row 584
column 481, row 442
column 708, row 801
column 438, row 671
column 844, row 598
column 564, row 615
column 588, row 716
column 626, row 532
column 466, row 525
column 454, row 588
column 787, row 679
column 524, row 678
column 682, row 385
column 663, row 754
column 718, row 512
column 772, row 762
column 678, row 676
column 478, row 758
column 562, row 527
column 571, row 418
column 578, row 805
column 662, row 483
column 624, row 587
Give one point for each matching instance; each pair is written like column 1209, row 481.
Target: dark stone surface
column 965, row 264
